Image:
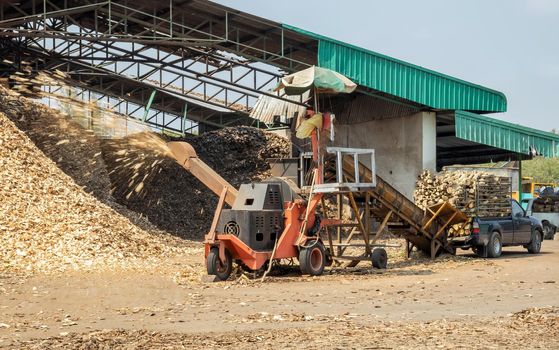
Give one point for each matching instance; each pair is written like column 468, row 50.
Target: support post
column 148, row 106
column 360, row 222
column 519, row 177
column 367, row 218
column 328, row 232
column 339, row 229
column 408, row 248
column 183, row 122
column 210, row 237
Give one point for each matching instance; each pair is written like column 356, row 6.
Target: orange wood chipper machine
column 275, row 219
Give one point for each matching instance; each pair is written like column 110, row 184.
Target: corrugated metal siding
column 407, row 81
column 402, row 79
column 504, row 135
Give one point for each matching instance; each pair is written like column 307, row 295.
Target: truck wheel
column 379, row 258
column 495, row 245
column 548, row 231
column 536, row 243
column 312, row 259
column 214, row 266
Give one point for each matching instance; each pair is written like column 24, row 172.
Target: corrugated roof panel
column 500, row 134
column 402, row 79
column 405, row 81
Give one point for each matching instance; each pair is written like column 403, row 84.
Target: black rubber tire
column 379, row 258
column 312, row 259
column 222, row 270
column 548, row 231
column 536, row 243
column 495, row 245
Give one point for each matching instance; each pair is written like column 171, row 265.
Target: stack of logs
column 474, row 193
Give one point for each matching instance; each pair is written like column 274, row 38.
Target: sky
column 508, row 45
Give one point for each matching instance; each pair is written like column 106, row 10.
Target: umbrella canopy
column 321, row 79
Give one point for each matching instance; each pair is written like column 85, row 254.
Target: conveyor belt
column 403, row 208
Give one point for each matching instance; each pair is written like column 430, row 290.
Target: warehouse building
column 187, row 66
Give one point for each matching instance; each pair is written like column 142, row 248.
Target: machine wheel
column 312, row 259
column 216, row 267
column 536, row 243
column 379, row 258
column 548, row 231
column 495, row 245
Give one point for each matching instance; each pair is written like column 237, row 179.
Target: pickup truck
column 545, row 209
column 490, row 234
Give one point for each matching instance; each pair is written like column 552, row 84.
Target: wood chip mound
column 60, row 226
column 76, row 150
column 49, row 223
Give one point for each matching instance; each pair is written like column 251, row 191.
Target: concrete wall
column 403, row 146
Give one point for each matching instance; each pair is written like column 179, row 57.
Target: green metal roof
column 505, row 135
column 402, row 79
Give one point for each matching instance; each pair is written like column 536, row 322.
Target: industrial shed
column 188, row 66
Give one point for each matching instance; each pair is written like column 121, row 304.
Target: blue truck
column 490, row 234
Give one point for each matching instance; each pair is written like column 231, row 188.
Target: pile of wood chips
column 49, row 223
column 475, row 193
column 76, row 150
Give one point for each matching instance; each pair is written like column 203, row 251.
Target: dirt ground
column 458, row 302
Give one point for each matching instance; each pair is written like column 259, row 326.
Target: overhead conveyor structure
column 424, row 229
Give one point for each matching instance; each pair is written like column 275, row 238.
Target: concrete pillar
column 403, row 146
column 429, row 137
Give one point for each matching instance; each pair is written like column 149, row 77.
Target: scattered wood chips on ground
column 532, row 328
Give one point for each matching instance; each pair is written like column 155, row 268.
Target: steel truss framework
column 205, row 62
